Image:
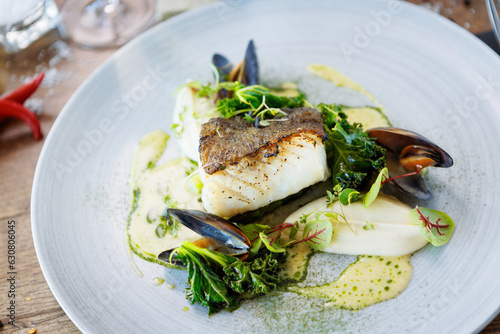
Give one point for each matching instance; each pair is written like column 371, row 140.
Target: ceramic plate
column 431, row 76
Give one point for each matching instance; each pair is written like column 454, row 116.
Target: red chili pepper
column 13, row 109
column 11, row 105
column 22, row 93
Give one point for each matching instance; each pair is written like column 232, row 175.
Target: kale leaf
column 352, row 154
column 218, row 281
column 205, row 277
column 259, row 276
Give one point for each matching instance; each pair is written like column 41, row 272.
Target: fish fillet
column 244, row 168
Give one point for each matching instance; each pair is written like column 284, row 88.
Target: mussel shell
column 403, row 144
column 212, row 226
column 396, row 140
column 223, row 66
column 246, row 71
column 207, row 243
column 251, row 65
column 166, row 257
column 414, row 185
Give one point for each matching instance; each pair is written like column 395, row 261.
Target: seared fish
column 244, row 168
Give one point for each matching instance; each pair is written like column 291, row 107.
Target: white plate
column 432, row 76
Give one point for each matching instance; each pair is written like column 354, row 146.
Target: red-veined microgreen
column 436, row 226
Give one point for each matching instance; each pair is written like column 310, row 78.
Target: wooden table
column 35, row 304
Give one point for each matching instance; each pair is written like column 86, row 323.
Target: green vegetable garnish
column 348, row 196
column 435, row 226
column 368, row 226
column 318, row 234
column 352, row 154
column 256, row 103
column 372, row 194
column 218, row 281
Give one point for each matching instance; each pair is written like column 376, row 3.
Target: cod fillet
column 243, row 167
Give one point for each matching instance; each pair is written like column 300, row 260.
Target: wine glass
column 106, row 23
column 24, row 22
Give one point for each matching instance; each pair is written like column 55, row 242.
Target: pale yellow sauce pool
column 341, row 80
column 370, row 280
column 155, row 188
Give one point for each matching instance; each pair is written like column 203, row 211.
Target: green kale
column 218, row 281
column 258, row 276
column 352, row 154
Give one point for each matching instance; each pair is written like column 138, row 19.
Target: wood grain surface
column 36, row 307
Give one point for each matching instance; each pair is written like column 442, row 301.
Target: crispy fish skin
column 225, row 141
column 244, row 168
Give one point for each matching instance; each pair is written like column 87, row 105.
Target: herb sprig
column 256, row 103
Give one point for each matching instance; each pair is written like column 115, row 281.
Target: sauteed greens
column 221, row 281
column 352, row 155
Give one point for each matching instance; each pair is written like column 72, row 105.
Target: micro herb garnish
column 436, row 226
column 317, row 234
column 352, row 154
column 389, row 179
column 166, row 223
column 348, row 196
column 253, row 231
column 270, row 243
column 208, row 90
column 303, row 218
column 257, row 104
column 372, row 194
column 178, row 128
column 254, row 103
column 368, row 226
column 169, row 202
column 331, row 198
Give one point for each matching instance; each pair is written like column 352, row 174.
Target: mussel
column 246, row 71
column 409, row 152
column 217, row 233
